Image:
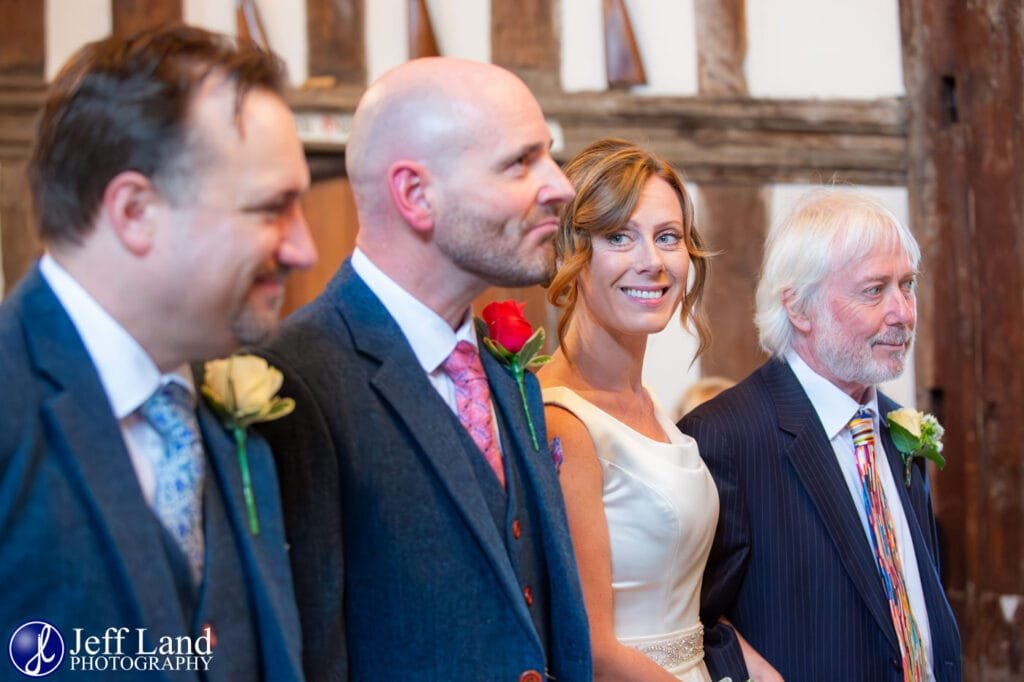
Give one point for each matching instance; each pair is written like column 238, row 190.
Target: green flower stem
column 243, row 463
column 517, row 372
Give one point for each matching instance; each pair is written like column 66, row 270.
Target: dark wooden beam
column 250, row 24
column 21, row 245
column 422, row 42
column 964, row 71
column 721, row 47
column 738, row 141
column 20, row 101
column 735, row 219
column 22, row 38
column 336, row 48
column 524, row 40
column 621, row 53
column 132, row 16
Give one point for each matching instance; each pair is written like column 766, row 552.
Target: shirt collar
column 835, row 408
column 129, row 376
column 431, row 337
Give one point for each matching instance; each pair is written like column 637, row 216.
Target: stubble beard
column 493, row 251
column 854, row 362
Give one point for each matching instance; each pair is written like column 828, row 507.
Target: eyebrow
column 526, row 150
column 273, row 201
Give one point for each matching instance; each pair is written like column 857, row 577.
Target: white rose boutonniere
column 915, row 434
column 242, row 390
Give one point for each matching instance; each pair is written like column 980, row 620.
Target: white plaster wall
column 583, row 67
column 665, row 33
column 462, row 28
column 824, row 48
column 69, row 25
column 213, row 16
column 386, row 23
column 285, row 24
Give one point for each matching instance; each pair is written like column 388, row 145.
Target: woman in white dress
column 642, row 506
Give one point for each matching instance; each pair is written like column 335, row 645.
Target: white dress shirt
column 835, row 409
column 129, row 376
column 431, row 337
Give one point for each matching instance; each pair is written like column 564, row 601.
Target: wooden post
column 336, row 46
column 965, row 89
column 22, row 89
column 422, row 42
column 524, row 40
column 621, row 53
column 132, row 16
column 733, row 216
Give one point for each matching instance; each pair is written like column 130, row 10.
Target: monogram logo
column 36, row 649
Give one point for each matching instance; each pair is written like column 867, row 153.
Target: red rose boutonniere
column 507, row 334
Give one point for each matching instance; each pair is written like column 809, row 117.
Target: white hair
column 827, row 229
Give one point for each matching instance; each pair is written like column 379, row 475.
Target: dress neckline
column 673, row 440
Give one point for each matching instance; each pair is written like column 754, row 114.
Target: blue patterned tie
column 179, row 473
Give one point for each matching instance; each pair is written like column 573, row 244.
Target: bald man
column 420, row 551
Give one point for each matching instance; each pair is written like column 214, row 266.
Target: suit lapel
column 940, row 613
column 256, row 561
column 539, row 481
column 814, row 460
column 403, row 386
column 89, row 442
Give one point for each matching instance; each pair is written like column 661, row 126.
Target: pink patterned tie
column 883, row 542
column 474, row 402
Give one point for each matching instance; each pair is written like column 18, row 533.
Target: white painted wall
column 69, row 25
column 665, row 33
column 824, row 48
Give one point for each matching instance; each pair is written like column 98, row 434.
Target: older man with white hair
column 825, row 557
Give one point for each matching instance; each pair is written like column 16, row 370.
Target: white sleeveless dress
column 662, row 508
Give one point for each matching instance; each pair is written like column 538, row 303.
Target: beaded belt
column 672, row 650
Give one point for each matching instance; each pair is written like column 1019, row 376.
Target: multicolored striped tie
column 473, row 397
column 883, row 542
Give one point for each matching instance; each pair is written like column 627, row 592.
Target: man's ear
column 407, row 183
column 130, row 206
column 798, row 318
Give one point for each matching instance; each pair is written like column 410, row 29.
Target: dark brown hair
column 121, row 105
column 609, row 177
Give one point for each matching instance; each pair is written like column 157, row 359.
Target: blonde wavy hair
column 609, row 177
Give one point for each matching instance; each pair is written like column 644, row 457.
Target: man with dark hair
column 427, row 530
column 166, row 177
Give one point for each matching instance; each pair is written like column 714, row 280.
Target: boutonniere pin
column 915, row 434
column 507, row 334
column 242, row 390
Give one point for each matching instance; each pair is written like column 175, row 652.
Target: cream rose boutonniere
column 915, row 434
column 242, row 390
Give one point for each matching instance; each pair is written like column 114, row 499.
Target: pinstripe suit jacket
column 791, row 567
